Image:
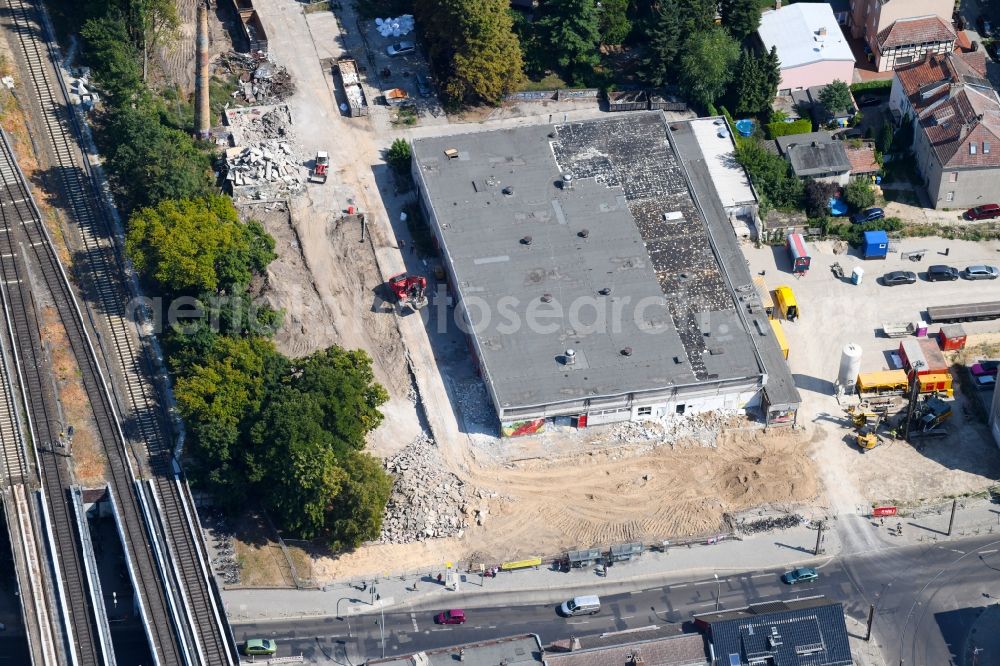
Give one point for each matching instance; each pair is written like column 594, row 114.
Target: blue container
column 875, row 245
column 838, row 207
column 744, row 127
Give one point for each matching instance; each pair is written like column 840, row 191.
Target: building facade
column 908, row 40
column 870, row 17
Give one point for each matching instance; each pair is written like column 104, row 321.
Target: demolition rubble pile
column 260, row 79
column 263, row 165
column 427, row 501
column 703, row 428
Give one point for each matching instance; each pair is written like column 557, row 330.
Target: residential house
column 810, row 631
column 861, row 155
column 653, row 646
column 869, row 19
column 810, row 45
column 908, row 40
column 816, row 155
column 955, row 114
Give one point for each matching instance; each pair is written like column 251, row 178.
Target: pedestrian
column 881, row 521
column 364, row 585
column 402, row 243
column 947, row 251
column 440, row 578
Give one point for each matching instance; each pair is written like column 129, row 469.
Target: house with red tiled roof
column 908, row 40
column 955, row 114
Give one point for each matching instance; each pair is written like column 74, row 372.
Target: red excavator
column 409, row 290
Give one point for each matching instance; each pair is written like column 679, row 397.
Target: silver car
column 981, row 272
column 400, row 48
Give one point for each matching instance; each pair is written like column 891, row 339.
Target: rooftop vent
column 583, row 233
column 526, row 240
column 546, row 298
column 552, row 135
column 627, row 351
column 569, row 357
column 604, row 291
column 567, row 181
column 821, row 32
column 508, row 191
column 452, row 153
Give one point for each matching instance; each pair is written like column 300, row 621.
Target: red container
column 951, row 337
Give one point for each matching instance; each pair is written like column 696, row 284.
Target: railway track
column 102, row 273
column 21, row 318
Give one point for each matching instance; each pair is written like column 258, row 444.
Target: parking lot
column 835, row 313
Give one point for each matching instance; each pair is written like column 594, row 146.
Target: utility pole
column 951, row 522
column 819, row 538
column 871, row 618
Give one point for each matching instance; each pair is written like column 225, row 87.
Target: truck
column 899, row 329
column 320, row 167
column 786, row 303
column 354, row 94
column 396, row 97
column 799, row 253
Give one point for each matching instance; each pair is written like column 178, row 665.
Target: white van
column 581, row 606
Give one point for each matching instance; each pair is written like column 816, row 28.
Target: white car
column 981, row 272
column 400, row 48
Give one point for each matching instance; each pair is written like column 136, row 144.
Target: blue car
column 800, row 575
column 868, row 215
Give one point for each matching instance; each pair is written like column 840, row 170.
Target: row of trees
column 288, row 434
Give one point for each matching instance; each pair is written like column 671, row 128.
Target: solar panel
column 734, row 660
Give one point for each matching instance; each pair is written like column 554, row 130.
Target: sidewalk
column 774, row 550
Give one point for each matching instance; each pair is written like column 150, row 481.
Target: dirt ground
column 614, row 494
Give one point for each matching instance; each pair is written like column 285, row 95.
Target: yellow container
column 779, row 335
column 884, row 382
column 786, row 303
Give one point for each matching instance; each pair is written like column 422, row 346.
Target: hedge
column 868, row 86
column 803, row 126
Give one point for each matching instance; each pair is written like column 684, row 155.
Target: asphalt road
column 925, row 598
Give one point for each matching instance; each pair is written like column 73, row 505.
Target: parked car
column 984, row 368
column 800, row 575
column 870, row 100
column 450, row 617
column 424, row 86
column 400, row 48
column 868, row 215
column 588, row 605
column 984, row 212
column 981, row 272
column 256, row 646
column 940, row 272
column 985, row 382
column 892, row 278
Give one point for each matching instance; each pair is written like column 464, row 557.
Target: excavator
column 409, row 290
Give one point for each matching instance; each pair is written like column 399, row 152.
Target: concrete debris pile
column 263, row 164
column 427, row 501
column 703, row 428
column 474, row 405
column 260, row 79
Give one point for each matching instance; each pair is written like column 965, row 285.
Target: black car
column 940, row 273
column 893, row 278
column 868, row 215
column 870, row 100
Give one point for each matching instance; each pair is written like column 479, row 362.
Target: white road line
column 710, row 603
column 626, row 617
column 706, row 582
column 677, row 587
column 988, row 552
column 762, row 575
column 956, row 550
column 413, row 617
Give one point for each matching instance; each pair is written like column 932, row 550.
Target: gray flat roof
column 646, row 242
column 814, row 153
column 516, row 650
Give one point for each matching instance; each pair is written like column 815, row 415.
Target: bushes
column 878, row 86
column 859, row 194
column 771, row 175
column 776, row 129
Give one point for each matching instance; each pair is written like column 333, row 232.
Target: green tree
column 740, row 17
column 836, row 97
column 357, row 514
column 750, row 87
column 615, row 24
column 571, row 30
column 399, row 156
column 148, row 162
column 771, row 174
column 193, row 246
column 707, row 65
column 770, row 65
column 816, row 197
column 219, row 398
column 472, row 47
column 113, row 59
column 885, row 135
column 663, row 45
column 859, row 194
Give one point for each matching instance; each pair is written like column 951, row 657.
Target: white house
column 810, row 44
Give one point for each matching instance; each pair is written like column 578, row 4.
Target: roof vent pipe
column 567, row 181
column 627, row 351
column 526, row 240
column 583, row 233
column 509, row 191
column 546, row 298
column 604, row 291
column 569, row 358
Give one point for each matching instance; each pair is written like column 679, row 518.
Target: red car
column 450, row 617
column 984, row 212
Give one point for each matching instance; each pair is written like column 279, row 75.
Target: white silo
column 850, row 366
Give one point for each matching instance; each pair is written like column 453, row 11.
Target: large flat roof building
column 601, row 296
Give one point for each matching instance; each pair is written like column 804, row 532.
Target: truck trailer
column 799, row 253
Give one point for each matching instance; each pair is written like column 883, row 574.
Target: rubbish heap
column 261, row 80
column 263, row 164
column 427, row 501
column 395, row 27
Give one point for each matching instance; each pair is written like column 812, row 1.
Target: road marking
column 988, row 552
column 413, row 617
column 762, row 575
column 707, row 582
column 677, row 587
column 580, row 622
column 956, row 550
column 710, row 603
column 626, row 617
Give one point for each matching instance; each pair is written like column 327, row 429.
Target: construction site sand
column 615, row 495
column 326, row 282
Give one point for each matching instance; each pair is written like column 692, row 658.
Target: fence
column 553, row 95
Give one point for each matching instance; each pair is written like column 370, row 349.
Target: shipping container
column 786, row 303
column 875, row 245
column 885, row 382
column 936, row 383
column 951, row 337
column 923, row 353
column 799, row 253
column 766, row 301
column 779, row 336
